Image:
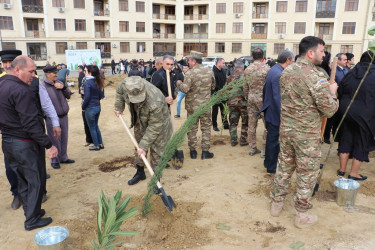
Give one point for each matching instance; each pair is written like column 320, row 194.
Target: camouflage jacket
column 254, row 89
column 152, row 115
column 305, row 99
column 238, row 100
column 198, row 83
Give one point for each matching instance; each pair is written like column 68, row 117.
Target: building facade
column 44, row 29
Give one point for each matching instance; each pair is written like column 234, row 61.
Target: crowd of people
column 291, row 95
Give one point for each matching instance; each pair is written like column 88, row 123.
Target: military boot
column 193, row 154
column 207, row 155
column 140, row 175
column 304, row 220
column 276, row 208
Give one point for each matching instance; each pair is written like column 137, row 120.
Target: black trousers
column 272, row 147
column 113, row 71
column 87, row 129
column 331, row 125
column 25, row 159
column 12, row 178
column 215, row 111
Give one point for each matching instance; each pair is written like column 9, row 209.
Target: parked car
column 210, row 61
column 247, row 58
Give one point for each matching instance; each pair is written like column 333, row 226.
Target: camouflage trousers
column 235, row 113
column 302, row 156
column 153, row 155
column 252, row 110
column 205, row 122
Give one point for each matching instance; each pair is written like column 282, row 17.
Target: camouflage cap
column 135, row 88
column 195, row 54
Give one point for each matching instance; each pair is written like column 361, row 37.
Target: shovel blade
column 167, row 200
column 178, row 159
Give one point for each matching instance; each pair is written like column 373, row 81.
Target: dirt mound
column 219, row 140
column 116, row 164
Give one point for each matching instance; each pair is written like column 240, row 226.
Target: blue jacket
column 271, row 96
column 340, row 73
column 93, row 94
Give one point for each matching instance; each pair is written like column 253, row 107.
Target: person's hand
column 141, row 152
column 333, row 88
column 58, row 85
column 82, row 92
column 117, row 113
column 79, row 95
column 169, row 100
column 56, row 132
column 52, row 152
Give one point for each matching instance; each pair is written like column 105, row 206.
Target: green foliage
column 296, row 245
column 371, row 31
column 110, row 217
column 232, row 89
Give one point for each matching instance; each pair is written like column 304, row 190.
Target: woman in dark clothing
column 93, row 90
column 356, row 136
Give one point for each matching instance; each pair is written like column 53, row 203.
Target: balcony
column 164, row 35
column 196, row 35
column 260, row 15
column 325, row 36
column 101, row 12
column 164, row 16
column 259, row 36
column 325, row 14
column 32, row 8
column 102, row 34
column 196, row 17
column 35, row 34
column 38, row 57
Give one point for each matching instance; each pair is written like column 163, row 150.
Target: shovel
column 167, row 200
column 178, row 157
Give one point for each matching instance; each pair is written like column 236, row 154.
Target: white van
column 210, row 61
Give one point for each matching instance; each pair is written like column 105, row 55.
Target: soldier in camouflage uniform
column 305, row 99
column 199, row 81
column 149, row 116
column 238, row 108
column 257, row 73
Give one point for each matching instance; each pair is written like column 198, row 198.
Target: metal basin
column 51, row 238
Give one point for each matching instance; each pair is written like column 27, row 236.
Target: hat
column 10, row 54
column 183, row 62
column 80, row 66
column 50, row 69
column 195, row 54
column 135, row 88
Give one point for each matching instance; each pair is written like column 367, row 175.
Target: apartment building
column 44, row 29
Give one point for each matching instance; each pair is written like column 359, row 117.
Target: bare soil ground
column 222, row 203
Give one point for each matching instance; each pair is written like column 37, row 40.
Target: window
column 348, row 28
column 220, row 8
column 79, row 4
column 61, row 47
column 164, row 48
column 238, row 7
column 295, row 48
column 124, row 26
column 124, row 47
column 280, row 27
column 202, row 28
column 59, row 24
column 4, row 1
column 220, row 28
column 299, row 28
column 262, row 46
column 80, row 24
column 346, row 49
column 301, row 6
column 324, row 28
column 32, row 24
column 58, row 3
column 6, row 23
column 351, row 5
column 278, row 47
column 325, row 5
column 139, row 6
column 9, row 45
column 81, row 45
column 189, row 10
column 236, row 47
column 140, row 27
column 260, row 28
column 123, row 5
column 202, row 10
column 281, row 6
column 237, row 28
column 219, row 47
column 202, row 47
column 141, row 47
column 188, row 28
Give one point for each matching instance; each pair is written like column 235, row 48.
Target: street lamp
column 199, row 36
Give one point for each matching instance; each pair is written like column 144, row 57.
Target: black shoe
column 157, row 190
column 363, row 178
column 94, row 148
column 42, row 212
column 327, row 141
column 42, row 222
column 44, row 198
column 216, row 129
column 48, row 176
column 234, row 143
column 139, row 176
column 16, row 203
column 101, row 146
column 271, row 171
column 193, row 154
column 176, row 116
column 340, row 174
column 226, row 126
column 55, row 165
column 207, row 155
column 68, row 161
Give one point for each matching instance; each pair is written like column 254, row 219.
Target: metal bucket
column 52, row 238
column 346, row 191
